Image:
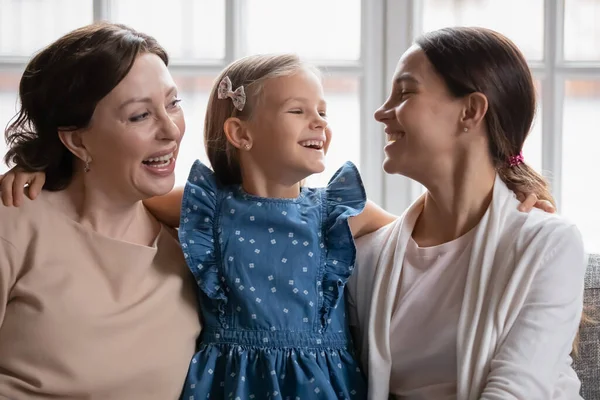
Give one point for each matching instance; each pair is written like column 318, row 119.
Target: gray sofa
column 587, row 362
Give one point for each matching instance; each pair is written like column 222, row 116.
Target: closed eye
column 139, row 117
column 295, row 111
column 405, row 93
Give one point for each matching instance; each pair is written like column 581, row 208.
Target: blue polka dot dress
column 271, row 274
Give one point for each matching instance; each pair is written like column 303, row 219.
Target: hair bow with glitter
column 238, row 96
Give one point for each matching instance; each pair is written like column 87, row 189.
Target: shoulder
column 550, row 230
column 375, row 252
column 537, row 229
column 347, row 176
column 549, row 248
column 200, row 197
column 372, row 243
column 19, row 224
column 345, row 193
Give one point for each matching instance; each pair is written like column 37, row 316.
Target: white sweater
column 521, row 308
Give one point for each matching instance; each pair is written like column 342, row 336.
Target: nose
column 169, row 126
column 319, row 122
column 383, row 113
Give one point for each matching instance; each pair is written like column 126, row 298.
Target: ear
column 237, row 133
column 72, row 139
column 476, row 106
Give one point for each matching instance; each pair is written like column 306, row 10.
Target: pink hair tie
column 513, row 161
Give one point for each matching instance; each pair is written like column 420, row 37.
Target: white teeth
column 161, row 165
column 392, row 137
column 313, row 143
column 166, row 157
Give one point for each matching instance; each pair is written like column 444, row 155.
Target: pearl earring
column 466, row 129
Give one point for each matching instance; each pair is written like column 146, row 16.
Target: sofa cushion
column 587, row 362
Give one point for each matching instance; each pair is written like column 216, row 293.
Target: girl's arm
column 372, row 218
column 167, row 208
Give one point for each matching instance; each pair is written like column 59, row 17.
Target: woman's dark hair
column 480, row 60
column 60, row 89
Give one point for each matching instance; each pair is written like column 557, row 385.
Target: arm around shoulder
column 167, row 208
column 530, row 361
column 371, row 219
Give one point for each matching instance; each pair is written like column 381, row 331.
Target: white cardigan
column 521, row 309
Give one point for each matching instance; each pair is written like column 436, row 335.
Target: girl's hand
column 16, row 184
column 528, row 202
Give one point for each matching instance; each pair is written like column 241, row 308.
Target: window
column 202, row 37
column 357, row 44
column 18, row 41
column 561, row 41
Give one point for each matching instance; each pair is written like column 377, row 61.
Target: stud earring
column 247, row 146
column 466, row 129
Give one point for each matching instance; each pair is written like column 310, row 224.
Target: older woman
column 465, row 297
column 95, row 299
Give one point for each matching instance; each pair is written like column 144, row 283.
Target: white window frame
column 388, row 28
column 369, row 70
column 404, row 23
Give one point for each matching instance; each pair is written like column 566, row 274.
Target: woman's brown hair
column 60, row 89
column 480, row 60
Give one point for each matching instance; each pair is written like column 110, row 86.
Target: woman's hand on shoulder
column 17, row 183
column 371, row 219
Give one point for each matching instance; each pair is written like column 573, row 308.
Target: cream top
column 83, row 316
column 424, row 327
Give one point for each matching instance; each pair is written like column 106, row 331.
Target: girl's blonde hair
column 250, row 72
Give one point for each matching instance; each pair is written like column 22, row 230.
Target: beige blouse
column 83, row 316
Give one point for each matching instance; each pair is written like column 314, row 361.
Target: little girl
column 271, row 259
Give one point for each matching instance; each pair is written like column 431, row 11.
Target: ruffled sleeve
column 345, row 197
column 197, row 229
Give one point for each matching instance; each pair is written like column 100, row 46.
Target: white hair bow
column 238, row 96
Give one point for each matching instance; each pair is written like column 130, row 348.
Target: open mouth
column 313, row 144
column 159, row 162
column 392, row 137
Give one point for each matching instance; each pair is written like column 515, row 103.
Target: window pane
column 580, row 190
column 9, row 83
column 582, row 31
column 193, row 91
column 315, row 29
column 343, row 109
column 28, row 25
column 522, row 21
column 186, row 28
